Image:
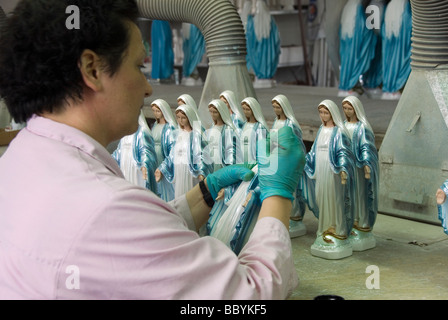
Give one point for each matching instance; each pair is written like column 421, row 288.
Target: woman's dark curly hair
column 39, row 55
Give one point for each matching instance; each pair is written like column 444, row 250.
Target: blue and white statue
column 254, row 129
column 193, row 46
column 164, row 133
column 357, row 47
column 187, row 163
column 233, row 223
column 366, row 177
column 442, row 205
column 136, row 156
column 223, row 138
column 329, row 188
column 285, row 117
column 189, row 100
column 396, row 36
column 263, row 45
column 162, row 50
column 236, row 112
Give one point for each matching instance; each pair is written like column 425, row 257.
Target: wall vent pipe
column 223, row 31
column 429, row 34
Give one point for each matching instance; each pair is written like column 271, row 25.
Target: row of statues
column 339, row 183
column 375, row 47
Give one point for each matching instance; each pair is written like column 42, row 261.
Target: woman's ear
column 90, row 67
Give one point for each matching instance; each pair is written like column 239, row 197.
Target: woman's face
column 183, row 121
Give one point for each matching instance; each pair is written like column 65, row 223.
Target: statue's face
column 348, row 110
column 277, row 108
column 247, row 111
column 157, row 112
column 214, row 113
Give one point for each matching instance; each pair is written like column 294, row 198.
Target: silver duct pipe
column 430, row 34
column 414, row 152
column 225, row 40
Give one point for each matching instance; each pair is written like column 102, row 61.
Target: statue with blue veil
column 164, row 133
column 193, row 46
column 162, row 50
column 396, row 37
column 263, row 45
column 285, row 117
column 223, row 139
column 366, row 174
column 136, row 156
column 329, row 184
column 254, row 130
column 373, row 78
column 189, row 100
column 233, row 223
column 357, row 46
column 188, row 162
column 236, row 112
column 442, row 205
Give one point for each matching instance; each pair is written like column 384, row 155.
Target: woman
column 329, row 184
column 366, row 173
column 186, row 165
column 136, row 156
column 285, row 117
column 236, row 113
column 164, row 134
column 254, row 129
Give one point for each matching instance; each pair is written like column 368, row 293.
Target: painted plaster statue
column 193, row 46
column 136, row 156
column 162, row 50
column 164, row 132
column 366, row 174
column 263, row 45
column 233, row 222
column 254, row 130
column 357, row 47
column 396, row 37
column 236, row 112
column 442, row 205
column 329, row 184
column 285, row 117
column 189, row 100
column 223, row 139
column 186, row 165
column 373, row 78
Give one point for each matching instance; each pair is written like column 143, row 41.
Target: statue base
column 296, row 229
column 331, row 248
column 362, row 240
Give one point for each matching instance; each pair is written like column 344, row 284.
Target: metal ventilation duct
column 225, row 40
column 414, row 152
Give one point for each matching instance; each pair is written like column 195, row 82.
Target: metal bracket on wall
column 414, row 121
